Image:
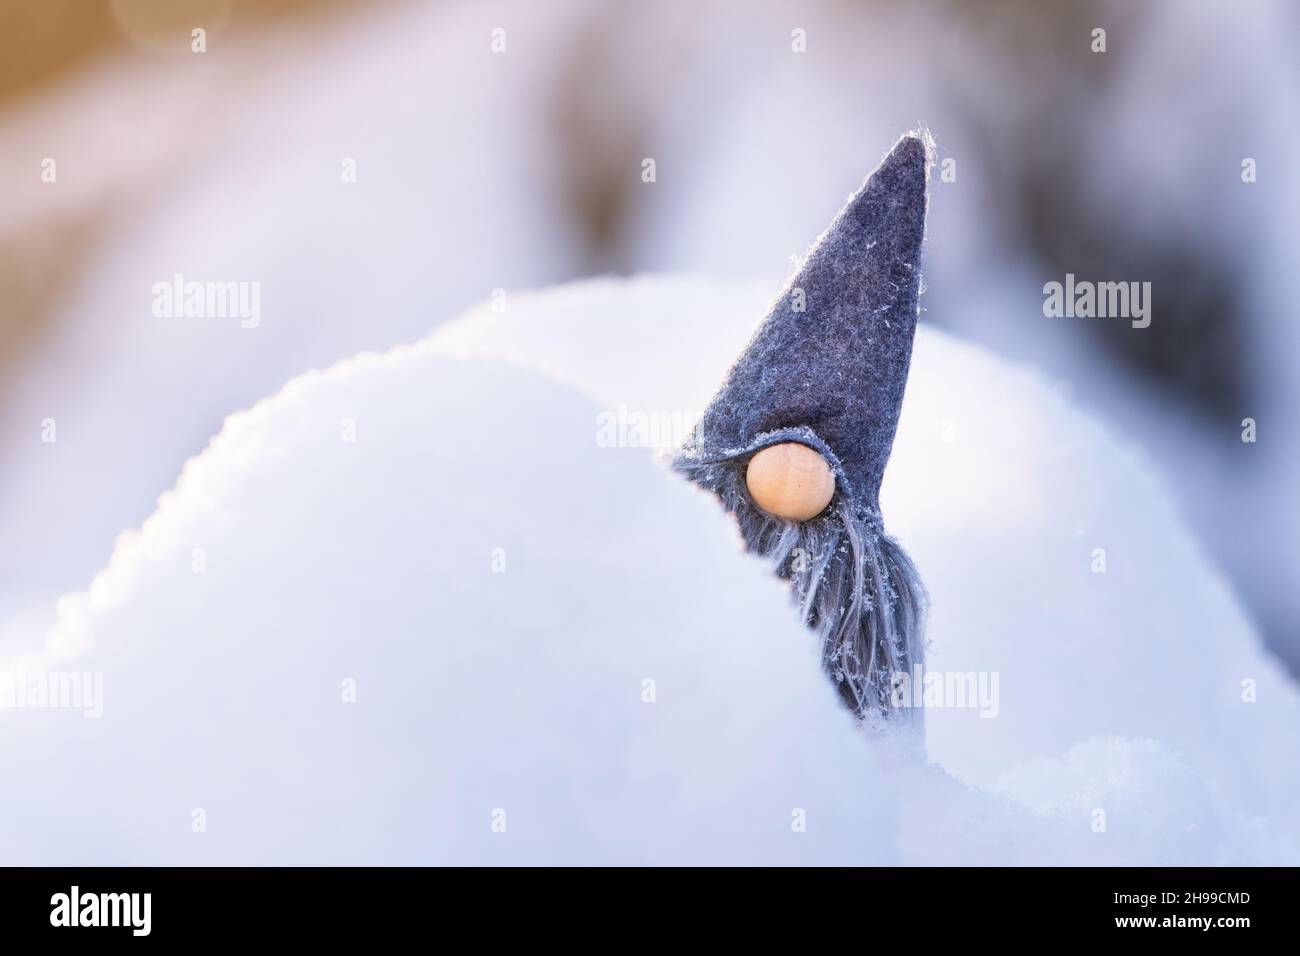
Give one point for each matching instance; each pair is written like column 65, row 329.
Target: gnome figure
column 796, row 440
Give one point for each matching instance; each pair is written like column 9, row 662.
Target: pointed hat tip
column 901, row 181
column 916, row 144
column 915, row 150
column 890, row 205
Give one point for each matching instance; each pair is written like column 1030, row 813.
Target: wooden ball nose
column 790, row 481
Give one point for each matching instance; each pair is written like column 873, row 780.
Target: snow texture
column 511, row 685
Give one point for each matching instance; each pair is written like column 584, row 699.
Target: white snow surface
column 1138, row 721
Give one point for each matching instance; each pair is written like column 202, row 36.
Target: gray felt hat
column 828, row 365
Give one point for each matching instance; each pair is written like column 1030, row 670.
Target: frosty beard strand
column 855, row 587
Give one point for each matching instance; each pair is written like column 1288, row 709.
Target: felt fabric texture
column 831, row 376
column 838, row 367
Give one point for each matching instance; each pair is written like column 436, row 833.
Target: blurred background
column 377, row 167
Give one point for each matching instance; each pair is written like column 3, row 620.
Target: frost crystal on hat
column 827, row 369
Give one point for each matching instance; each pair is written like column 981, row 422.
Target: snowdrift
column 421, row 608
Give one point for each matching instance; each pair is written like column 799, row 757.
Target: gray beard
column 855, row 587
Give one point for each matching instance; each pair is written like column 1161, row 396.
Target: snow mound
column 1053, row 556
column 500, row 590
column 546, row 632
